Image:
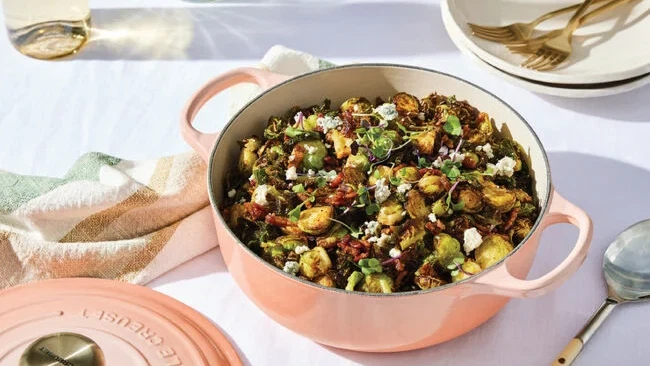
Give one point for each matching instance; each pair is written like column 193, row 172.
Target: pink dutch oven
column 333, row 316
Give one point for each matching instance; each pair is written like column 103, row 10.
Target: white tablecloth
column 123, row 94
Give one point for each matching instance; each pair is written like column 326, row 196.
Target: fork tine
column 554, row 63
column 543, row 62
column 491, row 31
column 534, row 59
column 486, row 26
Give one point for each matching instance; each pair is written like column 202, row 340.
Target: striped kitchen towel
column 113, row 218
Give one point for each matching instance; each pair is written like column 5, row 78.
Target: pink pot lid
column 122, row 324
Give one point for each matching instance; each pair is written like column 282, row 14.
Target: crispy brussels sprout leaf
column 406, row 104
column 353, row 280
column 412, row 232
column 425, row 142
column 426, row 277
column 416, row 205
column 390, row 213
column 357, row 105
column 378, row 283
column 248, row 155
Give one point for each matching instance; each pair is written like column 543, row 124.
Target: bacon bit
column 465, row 130
column 400, row 278
column 435, row 227
column 342, row 197
column 298, row 154
column 359, row 249
column 337, row 181
column 331, row 162
column 511, row 220
column 399, row 266
column 279, row 221
column 433, row 171
column 255, row 211
column 348, row 125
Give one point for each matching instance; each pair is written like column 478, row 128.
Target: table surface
column 123, row 93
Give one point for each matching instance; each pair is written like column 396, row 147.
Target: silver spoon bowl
column 626, row 266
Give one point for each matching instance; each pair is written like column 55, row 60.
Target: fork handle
column 574, row 22
column 557, row 12
column 605, row 8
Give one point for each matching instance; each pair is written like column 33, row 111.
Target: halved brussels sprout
column 358, row 161
column 315, row 263
column 315, row 152
column 431, row 184
column 412, row 232
column 236, row 212
column 357, row 105
column 354, row 176
column 406, row 104
column 315, row 220
column 425, row 142
column 447, row 247
column 407, row 174
column 471, row 199
column 390, row 213
column 290, row 242
column 353, row 280
column 416, row 205
column 468, row 267
column 426, row 277
column 342, row 144
column 440, row 208
column 471, row 160
column 310, row 123
column 382, row 171
column 522, row 196
column 378, row 283
column 248, row 155
column 481, row 134
column 335, row 233
column 520, row 229
column 325, row 280
column 494, row 248
column 500, row 198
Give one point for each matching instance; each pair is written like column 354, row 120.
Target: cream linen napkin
column 113, row 218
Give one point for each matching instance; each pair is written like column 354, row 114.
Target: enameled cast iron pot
column 390, row 322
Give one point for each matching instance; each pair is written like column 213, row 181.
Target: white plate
column 611, row 48
column 582, row 91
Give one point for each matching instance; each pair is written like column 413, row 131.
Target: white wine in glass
column 47, row 29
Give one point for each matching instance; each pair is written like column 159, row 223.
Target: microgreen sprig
column 452, row 125
column 455, row 265
column 354, row 232
column 370, row 266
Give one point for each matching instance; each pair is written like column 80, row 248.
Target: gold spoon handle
column 572, row 350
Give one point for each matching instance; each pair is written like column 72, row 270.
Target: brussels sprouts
column 471, row 199
column 406, row 104
column 335, row 233
column 390, row 213
column 412, row 233
column 520, row 229
column 357, row 105
column 235, row 213
column 431, row 184
column 248, row 155
column 416, row 205
column 325, row 280
column 471, row 160
column 310, row 123
column 447, row 247
column 274, row 128
column 494, row 248
column 275, row 152
column 315, row 220
column 382, row 171
column 468, row 266
column 407, row 174
column 290, row 242
column 354, row 176
column 272, row 250
column 342, row 144
column 440, row 208
column 482, row 133
column 377, row 282
column 527, row 209
column 315, row 263
column 315, row 152
column 522, row 196
column 425, row 142
column 426, row 277
column 358, row 161
column 500, row 198
column 353, row 280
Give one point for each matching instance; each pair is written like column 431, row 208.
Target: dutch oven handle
column 501, row 282
column 202, row 142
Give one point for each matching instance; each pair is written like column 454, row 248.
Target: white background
column 123, row 93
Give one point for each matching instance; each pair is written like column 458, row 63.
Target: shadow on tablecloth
column 224, row 30
column 534, row 331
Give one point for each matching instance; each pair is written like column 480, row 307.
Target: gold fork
column 556, row 49
column 517, row 32
column 531, row 46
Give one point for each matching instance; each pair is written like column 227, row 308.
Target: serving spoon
column 626, row 266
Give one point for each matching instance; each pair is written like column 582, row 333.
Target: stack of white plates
column 611, row 54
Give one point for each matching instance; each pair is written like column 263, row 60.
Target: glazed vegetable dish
column 399, row 195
